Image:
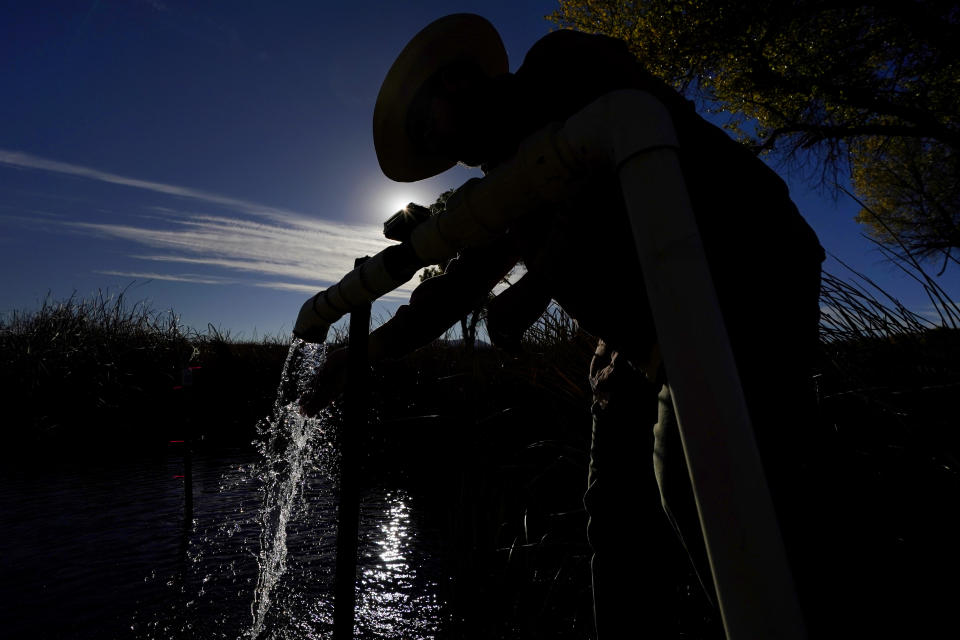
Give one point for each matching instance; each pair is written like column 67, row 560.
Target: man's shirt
column 583, row 254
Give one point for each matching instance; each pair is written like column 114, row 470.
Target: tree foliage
column 913, row 189
column 872, row 87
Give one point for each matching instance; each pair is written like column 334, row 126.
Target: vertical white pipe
column 749, row 564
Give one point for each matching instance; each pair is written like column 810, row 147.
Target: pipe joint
column 615, row 128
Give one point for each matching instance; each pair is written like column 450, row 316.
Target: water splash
column 288, row 454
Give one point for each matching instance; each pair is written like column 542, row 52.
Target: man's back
column 752, row 233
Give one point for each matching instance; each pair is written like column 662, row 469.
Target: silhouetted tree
column 867, row 86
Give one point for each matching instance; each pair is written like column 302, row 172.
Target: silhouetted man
column 449, row 98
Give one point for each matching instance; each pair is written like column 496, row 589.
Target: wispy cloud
column 183, row 277
column 313, row 254
column 287, row 286
column 251, row 239
column 22, row 160
column 199, row 279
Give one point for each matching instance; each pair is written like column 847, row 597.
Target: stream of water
column 287, row 450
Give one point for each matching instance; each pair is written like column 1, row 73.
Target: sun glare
column 386, row 200
column 394, row 202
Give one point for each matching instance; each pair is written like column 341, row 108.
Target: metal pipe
column 355, row 422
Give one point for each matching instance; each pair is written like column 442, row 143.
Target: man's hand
column 328, row 385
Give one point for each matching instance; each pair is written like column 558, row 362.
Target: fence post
column 355, row 422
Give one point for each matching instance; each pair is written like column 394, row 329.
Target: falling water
column 287, row 453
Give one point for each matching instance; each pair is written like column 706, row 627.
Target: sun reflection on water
column 395, row 599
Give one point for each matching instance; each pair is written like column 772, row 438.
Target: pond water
column 101, row 551
column 101, row 548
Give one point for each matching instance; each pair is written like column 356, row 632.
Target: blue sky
column 219, row 155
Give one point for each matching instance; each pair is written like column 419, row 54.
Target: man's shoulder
column 569, row 36
column 571, row 69
column 567, row 45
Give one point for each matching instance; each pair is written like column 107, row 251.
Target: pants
column 636, row 550
column 631, row 553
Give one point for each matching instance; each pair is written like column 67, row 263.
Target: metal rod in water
column 187, row 484
column 355, row 421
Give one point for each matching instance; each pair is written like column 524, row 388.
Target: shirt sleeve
column 436, row 304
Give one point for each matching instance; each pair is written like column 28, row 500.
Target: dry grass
column 93, row 366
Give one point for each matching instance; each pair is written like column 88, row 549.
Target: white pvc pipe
column 750, row 569
column 751, row 573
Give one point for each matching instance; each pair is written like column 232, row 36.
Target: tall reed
column 90, row 365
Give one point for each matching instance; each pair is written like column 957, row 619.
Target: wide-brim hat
column 453, row 38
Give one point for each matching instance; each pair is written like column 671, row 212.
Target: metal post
column 186, row 393
column 355, row 420
column 187, row 485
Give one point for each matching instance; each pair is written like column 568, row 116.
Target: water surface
column 98, row 550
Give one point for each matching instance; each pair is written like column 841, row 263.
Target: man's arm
column 439, row 302
column 434, row 307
